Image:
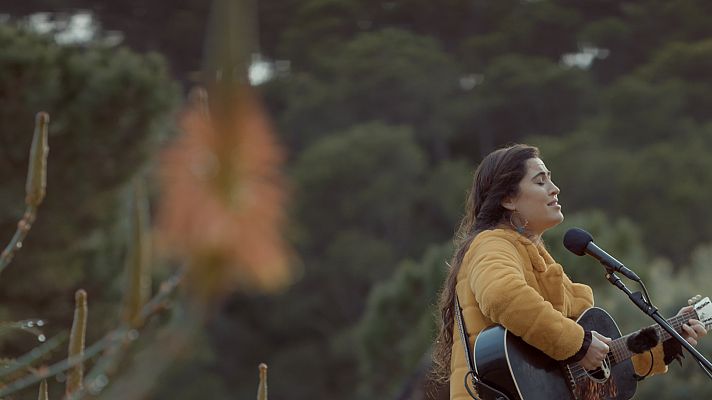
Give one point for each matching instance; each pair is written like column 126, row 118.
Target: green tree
column 391, row 75
column 398, row 326
column 318, row 28
column 678, row 179
column 444, row 193
column 688, row 63
column 175, row 30
column 521, row 96
column 365, row 177
column 640, row 111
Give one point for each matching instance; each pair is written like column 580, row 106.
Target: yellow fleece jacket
column 506, row 279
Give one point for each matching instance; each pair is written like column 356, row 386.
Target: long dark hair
column 497, row 177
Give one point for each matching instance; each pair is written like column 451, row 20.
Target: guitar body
column 522, row 372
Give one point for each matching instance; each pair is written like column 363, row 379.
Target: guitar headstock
column 703, row 308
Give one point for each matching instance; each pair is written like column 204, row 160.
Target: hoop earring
column 519, row 229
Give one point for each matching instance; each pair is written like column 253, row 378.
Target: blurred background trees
column 111, row 109
column 385, row 108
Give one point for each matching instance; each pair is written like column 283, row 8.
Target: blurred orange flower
column 224, row 197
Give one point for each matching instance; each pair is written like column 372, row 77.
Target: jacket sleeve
column 497, row 280
column 580, row 297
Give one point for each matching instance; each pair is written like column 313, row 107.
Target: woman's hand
column 693, row 330
column 597, row 351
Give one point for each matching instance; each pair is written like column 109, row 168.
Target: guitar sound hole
column 599, row 374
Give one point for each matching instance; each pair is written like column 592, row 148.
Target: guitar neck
column 619, row 348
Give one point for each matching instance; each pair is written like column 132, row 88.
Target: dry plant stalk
column 262, row 388
column 76, row 343
column 138, row 284
column 35, row 187
column 43, row 395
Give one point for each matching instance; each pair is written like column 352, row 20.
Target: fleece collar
column 538, row 255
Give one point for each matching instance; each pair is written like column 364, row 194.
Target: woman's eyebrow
column 547, row 173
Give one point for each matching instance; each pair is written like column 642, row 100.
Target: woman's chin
column 556, row 220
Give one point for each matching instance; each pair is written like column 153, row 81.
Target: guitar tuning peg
column 694, row 300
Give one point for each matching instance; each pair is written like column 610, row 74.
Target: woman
column 502, row 274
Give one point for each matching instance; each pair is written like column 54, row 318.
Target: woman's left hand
column 693, row 329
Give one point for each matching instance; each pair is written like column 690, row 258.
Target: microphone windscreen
column 643, row 340
column 576, row 240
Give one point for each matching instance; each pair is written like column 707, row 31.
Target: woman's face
column 537, row 202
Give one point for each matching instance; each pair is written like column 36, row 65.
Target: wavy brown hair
column 496, row 178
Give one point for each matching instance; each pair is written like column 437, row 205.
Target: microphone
column 580, row 242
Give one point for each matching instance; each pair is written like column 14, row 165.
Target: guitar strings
column 580, row 374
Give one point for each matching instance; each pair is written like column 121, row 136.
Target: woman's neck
column 533, row 237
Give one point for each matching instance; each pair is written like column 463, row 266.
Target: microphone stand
column 652, row 312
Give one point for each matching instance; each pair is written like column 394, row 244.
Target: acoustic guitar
column 522, row 372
